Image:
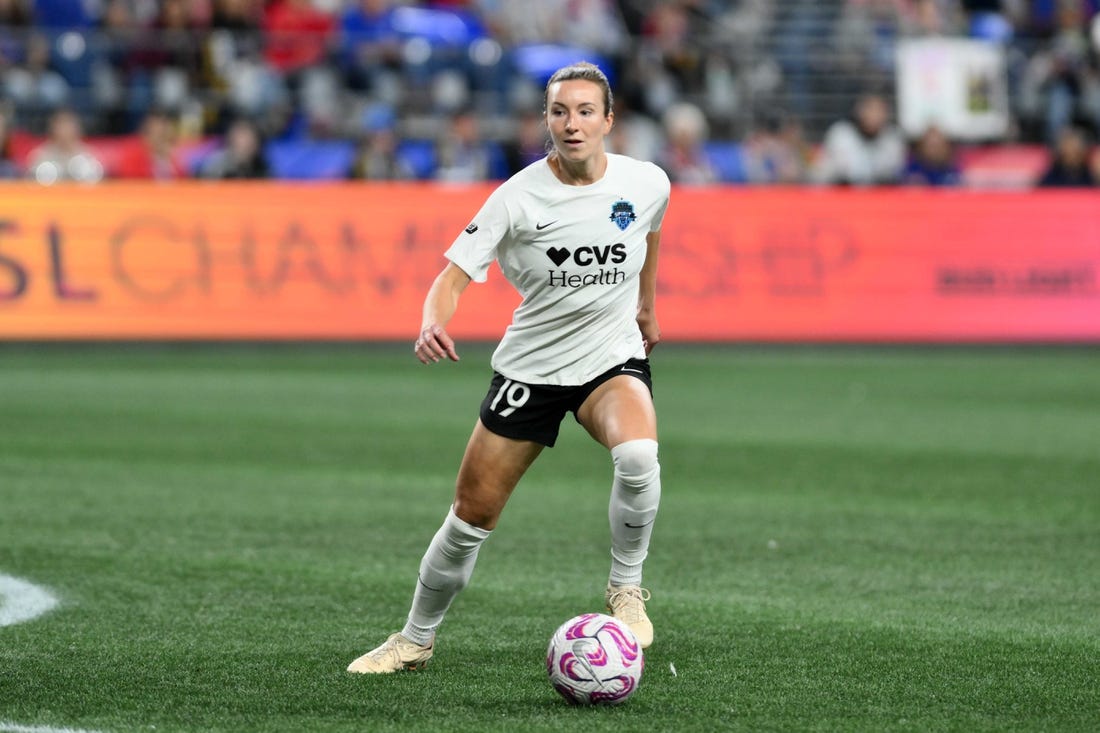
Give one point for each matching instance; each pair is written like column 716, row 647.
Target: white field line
column 22, row 601
column 6, row 727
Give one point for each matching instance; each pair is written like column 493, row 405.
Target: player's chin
column 573, row 151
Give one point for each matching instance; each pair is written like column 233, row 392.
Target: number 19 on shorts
column 515, row 396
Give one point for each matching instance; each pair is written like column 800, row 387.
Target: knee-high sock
column 444, row 571
column 635, row 494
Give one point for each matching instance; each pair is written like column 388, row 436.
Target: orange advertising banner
column 354, row 261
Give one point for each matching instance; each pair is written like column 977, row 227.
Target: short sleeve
column 660, row 180
column 476, row 247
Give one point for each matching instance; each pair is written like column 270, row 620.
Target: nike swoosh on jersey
column 540, row 227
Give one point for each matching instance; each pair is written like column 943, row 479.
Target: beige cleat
column 396, row 654
column 627, row 603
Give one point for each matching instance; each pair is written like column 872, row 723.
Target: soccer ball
column 594, row 659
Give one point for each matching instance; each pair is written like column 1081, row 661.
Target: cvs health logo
column 584, row 256
column 613, row 254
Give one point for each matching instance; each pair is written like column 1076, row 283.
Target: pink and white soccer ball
column 594, row 659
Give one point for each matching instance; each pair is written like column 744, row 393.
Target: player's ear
column 608, row 122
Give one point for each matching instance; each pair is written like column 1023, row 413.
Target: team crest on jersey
column 622, row 213
column 472, row 228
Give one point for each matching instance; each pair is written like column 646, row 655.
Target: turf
column 849, row 540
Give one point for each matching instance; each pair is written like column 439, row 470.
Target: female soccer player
column 577, row 234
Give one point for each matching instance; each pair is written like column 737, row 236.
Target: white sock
column 635, row 494
column 444, row 570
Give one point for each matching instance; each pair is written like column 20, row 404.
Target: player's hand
column 651, row 332
column 434, row 344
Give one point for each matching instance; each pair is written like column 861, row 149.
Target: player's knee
column 474, row 514
column 636, row 462
column 470, row 519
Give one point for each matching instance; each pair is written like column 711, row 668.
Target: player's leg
column 490, row 470
column 619, row 414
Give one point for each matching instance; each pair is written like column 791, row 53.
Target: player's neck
column 581, row 172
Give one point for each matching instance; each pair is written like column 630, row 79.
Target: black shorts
column 535, row 411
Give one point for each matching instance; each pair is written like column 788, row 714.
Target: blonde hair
column 585, row 71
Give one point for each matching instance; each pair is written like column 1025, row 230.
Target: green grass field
column 849, row 540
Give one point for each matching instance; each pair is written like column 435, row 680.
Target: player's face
column 576, row 119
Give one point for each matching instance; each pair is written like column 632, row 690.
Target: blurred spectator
column 64, row 156
column 298, row 35
column 234, row 34
column 746, row 27
column 528, row 144
column 320, row 108
column 669, row 63
column 867, row 150
column 9, row 169
column 303, row 69
column 1061, row 84
column 868, row 31
column 777, row 152
column 739, row 64
column 598, row 25
column 937, row 18
column 119, row 36
column 299, row 38
column 376, row 158
column 461, row 155
column 171, row 37
column 684, row 158
column 153, row 157
column 933, row 162
column 35, row 88
column 634, row 133
column 804, row 54
column 865, row 38
column 165, row 63
column 368, row 42
column 14, row 13
column 241, row 155
column 1042, row 15
column 235, row 65
column 65, row 25
column 238, row 16
column 866, row 35
column 62, row 14
column 1071, row 166
column 521, row 21
column 992, row 20
column 14, row 22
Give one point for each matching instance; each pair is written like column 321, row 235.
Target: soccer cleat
column 627, row 603
column 396, row 654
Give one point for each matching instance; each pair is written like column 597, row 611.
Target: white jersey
column 574, row 253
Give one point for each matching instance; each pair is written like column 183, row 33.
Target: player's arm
column 647, row 293
column 439, row 307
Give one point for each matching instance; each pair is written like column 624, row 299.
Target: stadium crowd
column 735, row 91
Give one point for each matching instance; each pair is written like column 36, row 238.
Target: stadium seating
column 539, row 60
column 305, row 160
column 727, row 158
